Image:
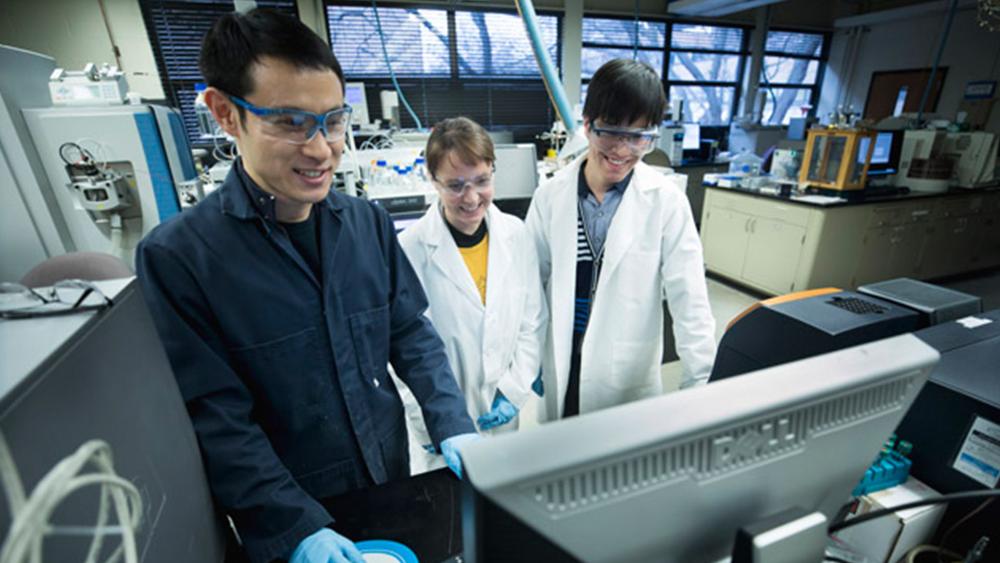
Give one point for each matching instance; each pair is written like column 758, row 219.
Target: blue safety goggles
column 298, row 127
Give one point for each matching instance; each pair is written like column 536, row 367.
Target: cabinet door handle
column 753, row 225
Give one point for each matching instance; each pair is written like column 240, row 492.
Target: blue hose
column 392, row 74
column 552, row 83
column 937, row 60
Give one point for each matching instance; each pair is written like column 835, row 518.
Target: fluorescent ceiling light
column 714, row 7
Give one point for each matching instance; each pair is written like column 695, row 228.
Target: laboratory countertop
column 825, row 201
column 25, row 344
column 701, row 164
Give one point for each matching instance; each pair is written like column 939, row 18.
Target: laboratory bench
column 775, row 244
column 695, row 173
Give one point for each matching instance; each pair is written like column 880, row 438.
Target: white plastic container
column 745, row 163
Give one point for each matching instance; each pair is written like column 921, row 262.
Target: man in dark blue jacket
column 281, row 302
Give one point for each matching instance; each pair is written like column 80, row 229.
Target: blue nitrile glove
column 326, row 546
column 502, row 412
column 450, row 449
column 538, row 386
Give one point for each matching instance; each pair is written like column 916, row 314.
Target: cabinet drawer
column 776, row 210
column 960, row 207
column 888, row 216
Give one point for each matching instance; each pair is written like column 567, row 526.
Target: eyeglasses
column 456, row 186
column 298, row 127
column 64, row 297
column 639, row 141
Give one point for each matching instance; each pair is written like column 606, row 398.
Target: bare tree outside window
column 789, row 81
column 704, row 68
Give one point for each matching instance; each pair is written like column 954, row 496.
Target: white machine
column 93, row 177
column 116, row 172
column 354, row 95
column 29, row 231
column 671, row 142
column 975, row 158
column 91, row 86
column 920, row 166
column 516, row 171
column 964, row 160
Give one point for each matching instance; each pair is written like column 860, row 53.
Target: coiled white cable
column 31, row 515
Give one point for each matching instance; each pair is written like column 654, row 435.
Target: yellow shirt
column 476, row 259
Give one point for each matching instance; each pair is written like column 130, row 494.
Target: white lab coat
column 496, row 346
column 652, row 252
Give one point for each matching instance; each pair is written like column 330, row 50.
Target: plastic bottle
column 402, row 183
column 412, row 184
column 380, row 176
column 420, row 170
column 745, row 163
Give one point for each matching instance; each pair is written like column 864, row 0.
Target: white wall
column 971, row 53
column 74, row 34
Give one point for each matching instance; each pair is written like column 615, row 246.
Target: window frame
column 173, row 87
column 737, row 84
column 595, row 45
column 455, row 80
column 821, row 59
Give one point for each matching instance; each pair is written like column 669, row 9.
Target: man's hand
column 326, row 546
column 450, row 449
column 502, row 412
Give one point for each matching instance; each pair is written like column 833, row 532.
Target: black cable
column 943, row 499
column 835, row 559
column 953, row 527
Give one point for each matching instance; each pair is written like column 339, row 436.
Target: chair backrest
column 657, row 157
column 91, row 266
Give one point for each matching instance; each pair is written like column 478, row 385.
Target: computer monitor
column 354, row 95
column 674, row 477
column 885, row 155
column 692, row 137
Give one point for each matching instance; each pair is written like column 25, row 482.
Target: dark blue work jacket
column 285, row 375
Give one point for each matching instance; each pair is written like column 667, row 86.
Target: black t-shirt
column 305, row 238
column 463, row 240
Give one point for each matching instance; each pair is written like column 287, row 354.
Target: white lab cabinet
column 777, row 246
column 754, row 240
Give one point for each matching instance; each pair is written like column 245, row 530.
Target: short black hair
column 623, row 91
column 237, row 41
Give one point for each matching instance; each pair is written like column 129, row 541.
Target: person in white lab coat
column 479, row 270
column 614, row 238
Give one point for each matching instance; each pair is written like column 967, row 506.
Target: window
column 449, row 62
column 495, row 44
column 706, row 62
column 416, row 40
column 176, row 28
column 791, row 74
column 607, row 38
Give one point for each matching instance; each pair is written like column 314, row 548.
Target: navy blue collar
column 243, row 198
column 584, row 190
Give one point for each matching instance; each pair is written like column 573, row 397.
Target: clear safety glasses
column 639, row 141
column 298, row 127
column 64, row 297
column 456, row 186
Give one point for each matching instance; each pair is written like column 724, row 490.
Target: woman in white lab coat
column 479, row 270
column 649, row 252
